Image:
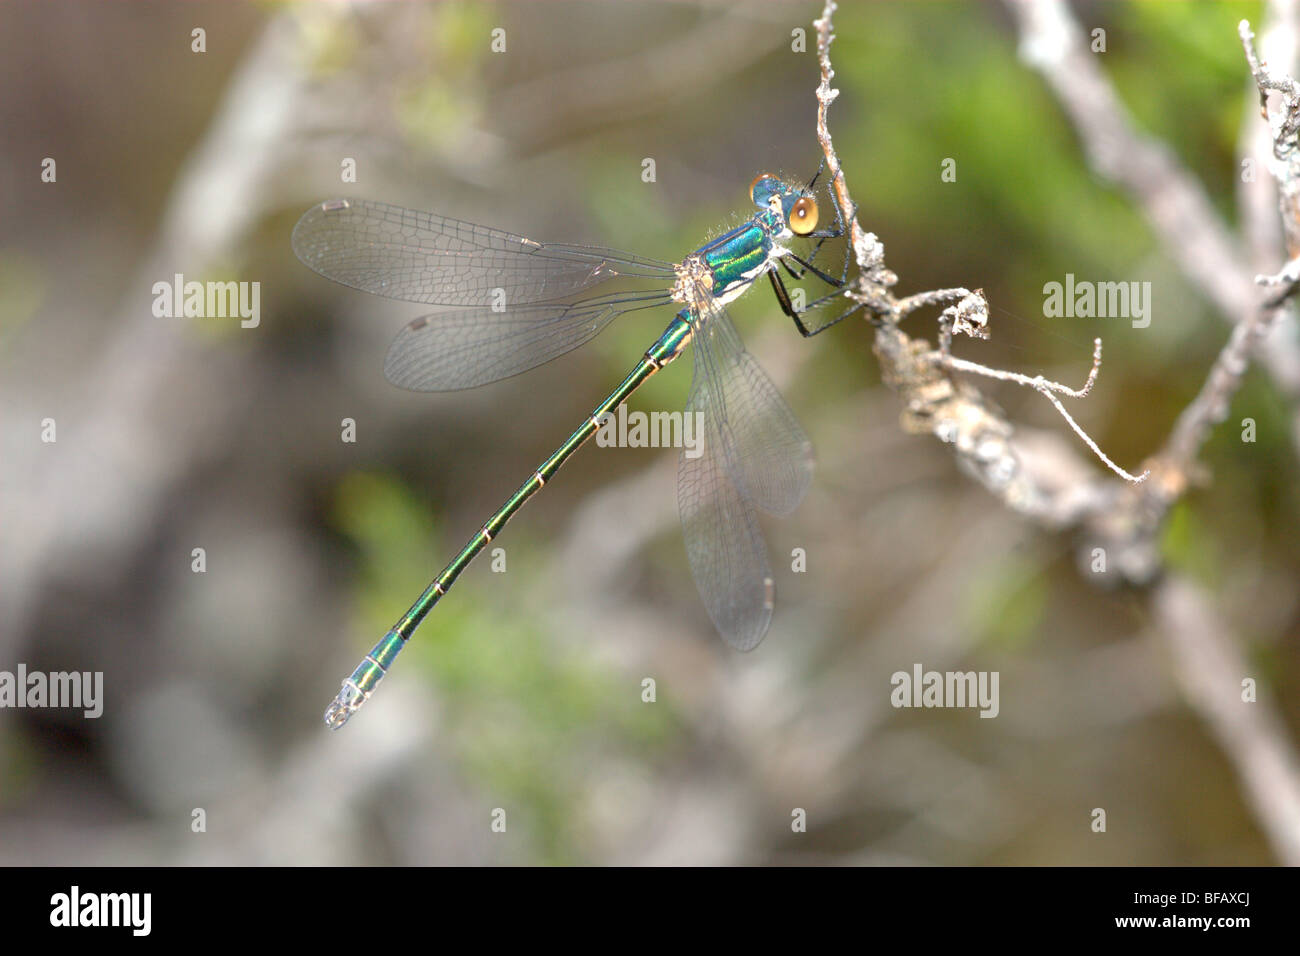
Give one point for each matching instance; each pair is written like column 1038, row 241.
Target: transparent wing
column 419, row 257
column 753, row 455
column 724, row 546
column 462, row 349
column 771, row 460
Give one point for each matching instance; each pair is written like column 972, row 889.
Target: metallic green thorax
column 736, row 257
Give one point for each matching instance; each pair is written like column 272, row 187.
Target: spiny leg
column 787, row 306
column 806, row 333
column 809, row 267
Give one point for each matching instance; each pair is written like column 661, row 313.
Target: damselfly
column 521, row 303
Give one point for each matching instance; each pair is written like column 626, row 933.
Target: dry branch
column 1123, row 516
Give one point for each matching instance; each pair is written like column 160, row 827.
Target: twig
column 1287, row 126
column 825, row 97
column 1181, row 215
column 1210, row 407
column 956, row 414
column 1035, row 381
column 970, row 317
column 1209, row 668
column 1124, row 516
column 1170, row 197
column 1260, row 197
column 1046, row 387
column 1284, row 131
column 1173, row 202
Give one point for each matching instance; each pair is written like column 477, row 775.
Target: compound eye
column 753, row 187
column 803, row 216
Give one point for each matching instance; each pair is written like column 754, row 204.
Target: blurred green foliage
column 1006, row 601
column 521, row 704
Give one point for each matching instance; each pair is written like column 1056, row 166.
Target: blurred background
column 523, row 690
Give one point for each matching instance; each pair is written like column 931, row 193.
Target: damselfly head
column 795, row 203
